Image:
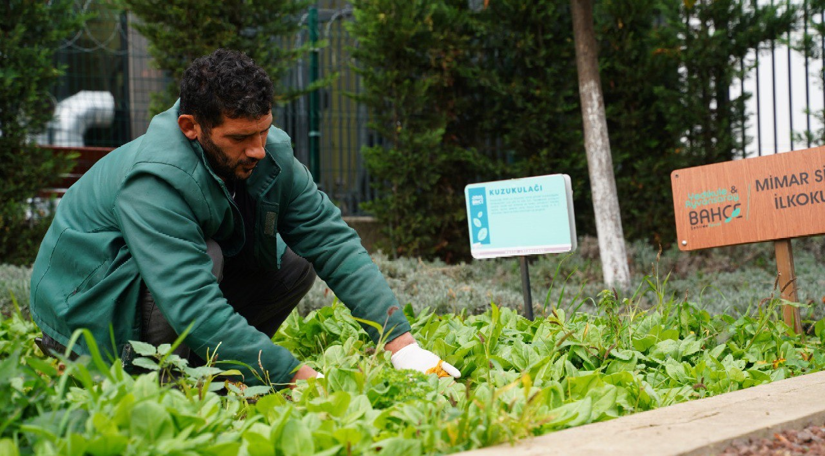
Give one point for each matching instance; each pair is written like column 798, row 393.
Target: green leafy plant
column 520, row 378
column 398, row 386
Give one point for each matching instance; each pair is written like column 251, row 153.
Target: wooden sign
column 767, row 198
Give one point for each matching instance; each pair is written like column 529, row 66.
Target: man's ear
column 189, row 127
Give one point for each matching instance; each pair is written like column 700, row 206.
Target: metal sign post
column 525, row 286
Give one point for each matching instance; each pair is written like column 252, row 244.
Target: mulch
column 807, row 441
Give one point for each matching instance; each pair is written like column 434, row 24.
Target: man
column 186, row 229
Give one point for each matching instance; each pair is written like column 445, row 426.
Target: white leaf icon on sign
column 482, row 234
column 480, row 214
column 477, row 223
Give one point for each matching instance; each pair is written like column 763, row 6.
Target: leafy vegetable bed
column 520, row 378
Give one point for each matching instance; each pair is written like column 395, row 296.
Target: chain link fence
column 328, row 128
column 103, row 98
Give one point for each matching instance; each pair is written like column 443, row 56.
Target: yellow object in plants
column 438, row 370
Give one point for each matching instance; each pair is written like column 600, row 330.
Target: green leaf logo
column 733, row 215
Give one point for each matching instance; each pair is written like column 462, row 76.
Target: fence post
column 314, row 105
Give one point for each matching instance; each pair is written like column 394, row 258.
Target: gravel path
column 808, row 441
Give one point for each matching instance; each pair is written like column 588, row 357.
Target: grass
column 14, row 281
column 724, row 280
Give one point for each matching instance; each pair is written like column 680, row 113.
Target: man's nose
column 256, row 150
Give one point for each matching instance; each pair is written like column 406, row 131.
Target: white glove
column 416, row 358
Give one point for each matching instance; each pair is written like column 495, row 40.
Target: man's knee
column 297, row 273
column 307, row 279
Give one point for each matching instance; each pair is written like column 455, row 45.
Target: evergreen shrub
column 463, row 94
column 416, row 61
column 30, row 33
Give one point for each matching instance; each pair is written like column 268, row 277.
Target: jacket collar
column 264, row 175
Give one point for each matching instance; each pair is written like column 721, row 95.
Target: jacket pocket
column 95, row 276
column 266, row 235
column 75, row 260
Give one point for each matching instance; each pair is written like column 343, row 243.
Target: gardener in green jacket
column 207, row 224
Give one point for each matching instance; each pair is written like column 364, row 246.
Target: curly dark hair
column 225, row 82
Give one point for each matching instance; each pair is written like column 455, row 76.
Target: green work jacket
column 144, row 213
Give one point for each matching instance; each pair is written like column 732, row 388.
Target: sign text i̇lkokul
column 767, row 198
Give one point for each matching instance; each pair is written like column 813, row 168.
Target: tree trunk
column 596, row 143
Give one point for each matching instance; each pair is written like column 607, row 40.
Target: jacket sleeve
column 313, row 227
column 163, row 233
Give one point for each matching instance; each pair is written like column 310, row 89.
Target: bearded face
column 225, row 166
column 234, row 148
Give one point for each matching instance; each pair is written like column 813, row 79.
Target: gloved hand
column 416, row 358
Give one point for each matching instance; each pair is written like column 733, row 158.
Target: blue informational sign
column 520, row 217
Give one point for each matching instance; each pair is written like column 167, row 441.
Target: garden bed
column 520, row 379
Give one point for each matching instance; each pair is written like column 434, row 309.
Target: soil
column 807, row 441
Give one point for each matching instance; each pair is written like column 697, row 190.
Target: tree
column 641, row 87
column 599, row 160
column 179, row 31
column 416, row 61
column 666, row 68
column 30, row 33
column 528, row 95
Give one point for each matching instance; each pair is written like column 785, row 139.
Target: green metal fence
column 328, row 129
column 103, row 98
column 107, row 63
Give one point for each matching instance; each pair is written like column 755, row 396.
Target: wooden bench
column 87, row 156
